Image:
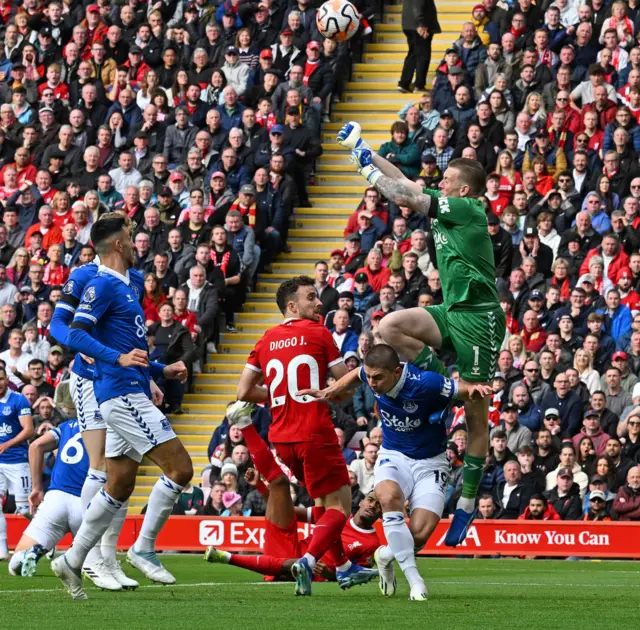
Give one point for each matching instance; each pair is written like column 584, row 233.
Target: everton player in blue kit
column 101, row 565
column 109, row 327
column 60, row 510
column 412, row 464
column 16, row 427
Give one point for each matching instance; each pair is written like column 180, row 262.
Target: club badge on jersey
column 413, row 412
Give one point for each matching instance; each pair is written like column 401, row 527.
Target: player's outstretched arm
column 44, row 444
column 250, row 388
column 334, row 392
column 473, row 391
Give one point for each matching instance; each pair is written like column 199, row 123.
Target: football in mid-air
column 338, row 20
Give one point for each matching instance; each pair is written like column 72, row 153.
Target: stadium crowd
column 202, row 123
column 200, row 120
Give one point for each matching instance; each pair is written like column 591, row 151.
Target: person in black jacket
column 502, row 247
column 202, row 299
column 565, row 497
column 512, row 495
column 228, row 262
column 419, row 25
column 530, row 244
column 327, row 294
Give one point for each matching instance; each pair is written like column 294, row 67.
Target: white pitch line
column 288, row 584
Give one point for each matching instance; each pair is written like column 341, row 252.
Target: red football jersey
column 295, row 355
column 359, row 545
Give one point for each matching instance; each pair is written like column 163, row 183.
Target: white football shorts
column 134, row 426
column 58, row 514
column 16, row 480
column 422, row 481
column 88, row 411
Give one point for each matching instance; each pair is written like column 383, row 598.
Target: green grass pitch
column 462, row 594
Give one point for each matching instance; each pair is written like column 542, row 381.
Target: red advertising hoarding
column 485, row 538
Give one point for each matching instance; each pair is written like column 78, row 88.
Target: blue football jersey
column 72, row 463
column 66, row 309
column 13, row 406
column 68, row 303
column 111, row 313
column 407, row 412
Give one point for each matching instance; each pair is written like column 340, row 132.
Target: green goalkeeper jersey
column 464, row 251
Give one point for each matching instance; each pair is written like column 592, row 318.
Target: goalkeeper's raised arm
column 386, row 177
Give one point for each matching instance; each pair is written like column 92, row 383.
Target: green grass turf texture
column 463, row 593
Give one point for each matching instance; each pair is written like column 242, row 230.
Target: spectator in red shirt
column 24, row 169
column 624, row 283
column 377, row 274
column 539, row 510
column 371, row 203
column 153, row 297
column 498, row 200
column 55, row 273
column 54, row 82
column 533, row 334
column 401, row 234
column 627, row 501
column 51, row 234
column 184, row 315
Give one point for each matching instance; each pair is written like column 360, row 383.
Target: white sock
column 401, row 542
column 16, row 561
column 109, row 543
column 95, row 523
column 385, row 554
column 310, row 559
column 22, row 508
column 468, row 505
column 94, row 481
column 161, row 501
column 4, row 547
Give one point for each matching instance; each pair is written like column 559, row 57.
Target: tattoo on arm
column 403, row 195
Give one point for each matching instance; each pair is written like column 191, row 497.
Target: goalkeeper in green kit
column 470, row 321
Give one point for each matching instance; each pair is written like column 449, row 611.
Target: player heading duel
column 470, row 320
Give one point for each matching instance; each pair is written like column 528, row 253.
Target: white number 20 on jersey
column 275, row 365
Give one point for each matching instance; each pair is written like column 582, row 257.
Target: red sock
column 316, row 513
column 327, row 535
column 262, row 457
column 266, row 565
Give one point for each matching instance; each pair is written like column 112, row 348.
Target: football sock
column 385, row 554
column 109, row 542
column 16, row 561
column 161, row 501
column 94, row 480
column 265, row 565
column 316, row 513
column 4, row 548
column 262, row 457
column 327, row 534
column 400, row 540
column 95, row 523
column 428, row 361
column 471, row 477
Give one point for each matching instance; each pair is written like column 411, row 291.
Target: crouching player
column 359, row 538
column 412, row 464
column 60, row 510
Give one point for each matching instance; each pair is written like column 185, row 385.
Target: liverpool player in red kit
column 359, row 538
column 298, row 354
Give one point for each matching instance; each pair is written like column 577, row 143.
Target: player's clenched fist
column 176, row 372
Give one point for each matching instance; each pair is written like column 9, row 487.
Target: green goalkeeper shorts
column 475, row 334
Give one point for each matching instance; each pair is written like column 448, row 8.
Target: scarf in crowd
column 251, row 211
column 51, row 378
column 546, row 57
column 224, row 263
column 628, row 24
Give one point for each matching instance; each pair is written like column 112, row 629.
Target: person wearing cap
column 564, row 495
column 620, row 360
column 274, row 145
column 502, row 246
column 444, row 98
column 599, row 509
column 568, row 462
column 363, row 293
column 318, row 74
column 236, row 72
column 628, row 296
column 346, row 302
column 371, row 203
column 354, row 257
column 285, row 54
column 517, row 434
column 591, row 428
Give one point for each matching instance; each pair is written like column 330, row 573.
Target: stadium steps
column 372, row 99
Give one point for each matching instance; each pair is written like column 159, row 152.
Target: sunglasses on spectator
column 633, row 424
column 531, row 370
column 636, row 186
